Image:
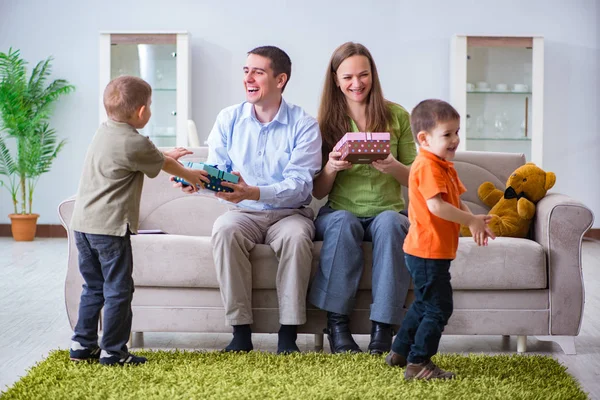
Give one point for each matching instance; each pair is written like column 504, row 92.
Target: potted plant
column 27, row 143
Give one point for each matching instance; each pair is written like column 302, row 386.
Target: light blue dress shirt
column 281, row 157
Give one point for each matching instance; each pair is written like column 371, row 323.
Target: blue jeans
column 421, row 330
column 341, row 263
column 105, row 262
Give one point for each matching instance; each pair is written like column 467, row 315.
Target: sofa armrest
column 559, row 225
column 73, row 280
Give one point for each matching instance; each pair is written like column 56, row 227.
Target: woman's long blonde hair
column 333, row 117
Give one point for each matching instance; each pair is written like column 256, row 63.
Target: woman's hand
column 388, row 165
column 335, row 165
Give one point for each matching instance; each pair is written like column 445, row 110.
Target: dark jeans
column 105, row 262
column 423, row 324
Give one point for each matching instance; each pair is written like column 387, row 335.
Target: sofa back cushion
column 170, row 210
column 476, row 167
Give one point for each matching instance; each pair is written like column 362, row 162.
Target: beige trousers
column 290, row 234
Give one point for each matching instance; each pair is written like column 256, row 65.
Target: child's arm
column 193, row 176
column 177, row 152
column 476, row 223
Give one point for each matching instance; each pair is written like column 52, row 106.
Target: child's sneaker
column 395, row 360
column 427, row 370
column 79, row 353
column 130, row 359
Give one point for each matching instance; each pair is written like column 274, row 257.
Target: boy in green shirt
column 107, row 212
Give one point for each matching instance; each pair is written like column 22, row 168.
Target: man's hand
column 334, row 165
column 479, row 229
column 387, row 165
column 177, row 152
column 241, row 191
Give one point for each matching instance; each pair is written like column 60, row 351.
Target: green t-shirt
column 110, row 189
column 366, row 192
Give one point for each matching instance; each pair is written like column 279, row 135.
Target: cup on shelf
column 501, row 87
column 470, row 87
column 483, row 85
column 520, row 87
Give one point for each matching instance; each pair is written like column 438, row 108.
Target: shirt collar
column 122, row 125
column 429, row 155
column 281, row 116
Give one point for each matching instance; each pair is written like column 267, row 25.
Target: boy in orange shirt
column 435, row 212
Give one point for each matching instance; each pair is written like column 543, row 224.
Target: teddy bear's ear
column 550, row 180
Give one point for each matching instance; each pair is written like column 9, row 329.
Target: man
column 275, row 148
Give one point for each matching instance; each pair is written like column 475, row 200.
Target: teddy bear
column 513, row 209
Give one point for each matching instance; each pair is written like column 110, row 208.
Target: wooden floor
column 33, row 320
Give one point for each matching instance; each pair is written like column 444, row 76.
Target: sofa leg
column 566, row 343
column 521, row 344
column 318, row 341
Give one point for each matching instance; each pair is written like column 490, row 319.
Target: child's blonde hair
column 124, row 95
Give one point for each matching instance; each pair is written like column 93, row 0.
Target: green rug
column 258, row 375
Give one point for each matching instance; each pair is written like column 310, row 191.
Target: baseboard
column 43, row 230
column 592, row 234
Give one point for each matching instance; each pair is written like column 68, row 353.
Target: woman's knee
column 392, row 223
column 340, row 219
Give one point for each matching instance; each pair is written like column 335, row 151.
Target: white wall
column 410, row 41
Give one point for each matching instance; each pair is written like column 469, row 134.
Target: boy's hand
column 387, row 165
column 334, row 165
column 479, row 229
column 197, row 179
column 177, row 152
column 241, row 191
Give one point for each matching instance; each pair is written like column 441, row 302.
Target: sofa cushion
column 506, row 263
column 186, row 261
column 173, row 261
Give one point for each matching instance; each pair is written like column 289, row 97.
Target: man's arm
column 218, row 139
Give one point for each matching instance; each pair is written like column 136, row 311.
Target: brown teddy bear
column 513, row 209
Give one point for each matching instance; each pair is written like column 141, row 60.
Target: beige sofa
column 512, row 287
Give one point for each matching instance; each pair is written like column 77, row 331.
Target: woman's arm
column 323, row 181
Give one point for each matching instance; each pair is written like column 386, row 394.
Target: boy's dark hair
column 124, row 95
column 428, row 113
column 280, row 61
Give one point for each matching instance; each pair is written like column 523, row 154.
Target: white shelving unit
column 497, row 86
column 163, row 60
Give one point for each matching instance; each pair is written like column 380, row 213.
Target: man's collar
column 281, row 116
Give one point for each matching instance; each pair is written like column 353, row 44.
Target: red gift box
column 364, row 147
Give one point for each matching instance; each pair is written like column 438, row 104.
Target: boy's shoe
column 395, row 359
column 129, row 359
column 427, row 370
column 79, row 353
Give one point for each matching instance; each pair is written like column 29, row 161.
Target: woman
column 364, row 202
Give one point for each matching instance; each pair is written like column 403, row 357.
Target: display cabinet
column 163, row 60
column 497, row 86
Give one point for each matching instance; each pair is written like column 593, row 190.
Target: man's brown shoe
column 427, row 370
column 395, row 360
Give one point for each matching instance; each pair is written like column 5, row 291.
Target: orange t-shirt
column 430, row 236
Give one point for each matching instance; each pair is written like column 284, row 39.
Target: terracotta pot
column 23, row 226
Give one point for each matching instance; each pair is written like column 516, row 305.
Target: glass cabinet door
column 154, row 57
column 497, row 90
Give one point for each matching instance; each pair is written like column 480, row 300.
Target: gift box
column 215, row 175
column 363, row 147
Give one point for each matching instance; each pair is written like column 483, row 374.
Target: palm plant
column 25, row 109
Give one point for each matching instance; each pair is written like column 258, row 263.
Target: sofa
column 521, row 287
